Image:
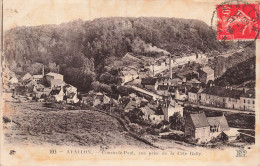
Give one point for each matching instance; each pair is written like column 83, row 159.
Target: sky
column 38, row 12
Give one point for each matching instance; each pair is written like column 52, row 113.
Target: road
column 220, row 109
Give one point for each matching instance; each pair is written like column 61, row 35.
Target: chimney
column 42, row 69
column 170, row 68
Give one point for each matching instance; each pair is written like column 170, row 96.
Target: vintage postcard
column 130, row 82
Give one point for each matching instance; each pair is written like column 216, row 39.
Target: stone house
column 197, row 127
column 194, row 95
column 150, row 83
column 57, row 95
column 221, row 97
column 57, row 84
column 206, row 74
column 38, row 78
column 247, row 100
column 51, row 76
column 72, row 98
column 217, row 125
column 26, row 76
column 203, row 128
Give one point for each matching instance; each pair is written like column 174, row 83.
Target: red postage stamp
column 237, row 21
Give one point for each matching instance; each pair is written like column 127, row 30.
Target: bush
column 174, row 137
column 153, row 131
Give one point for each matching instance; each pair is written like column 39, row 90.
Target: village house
column 180, row 93
column 194, row 95
column 162, row 90
column 130, row 106
column 26, row 76
column 106, row 99
column 181, row 77
column 206, row 74
column 38, row 78
column 128, row 75
column 203, row 128
column 72, row 98
column 51, row 76
column 224, row 97
column 175, row 82
column 197, row 127
column 43, row 92
column 217, row 125
column 68, row 89
column 98, row 98
column 247, row 100
column 170, row 107
column 144, row 73
column 57, row 84
column 13, row 80
column 147, row 112
column 193, row 83
column 157, row 115
column 156, row 118
column 150, row 83
column 57, row 95
column 164, row 81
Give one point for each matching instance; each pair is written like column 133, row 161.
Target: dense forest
column 240, row 74
column 80, row 50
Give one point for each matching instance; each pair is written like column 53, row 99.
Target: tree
column 177, row 122
column 136, row 115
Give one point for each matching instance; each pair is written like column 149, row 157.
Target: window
column 244, row 101
column 253, row 102
column 248, row 101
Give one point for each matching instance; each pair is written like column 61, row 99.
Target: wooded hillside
column 79, row 49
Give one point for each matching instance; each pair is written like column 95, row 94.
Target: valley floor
column 33, row 124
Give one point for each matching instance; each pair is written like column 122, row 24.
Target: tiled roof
column 176, row 80
column 162, row 87
column 147, row 111
column 38, row 76
column 149, row 81
column 55, row 92
column 219, row 121
column 163, row 79
column 199, row 120
column 207, row 70
column 194, row 81
column 53, row 74
column 131, row 105
column 194, row 90
column 57, row 81
column 223, row 92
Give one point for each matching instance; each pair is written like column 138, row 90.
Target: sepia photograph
column 169, row 81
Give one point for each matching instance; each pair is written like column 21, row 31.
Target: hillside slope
column 240, row 74
column 80, row 49
column 106, row 37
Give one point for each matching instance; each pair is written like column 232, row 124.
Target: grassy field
column 34, row 124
